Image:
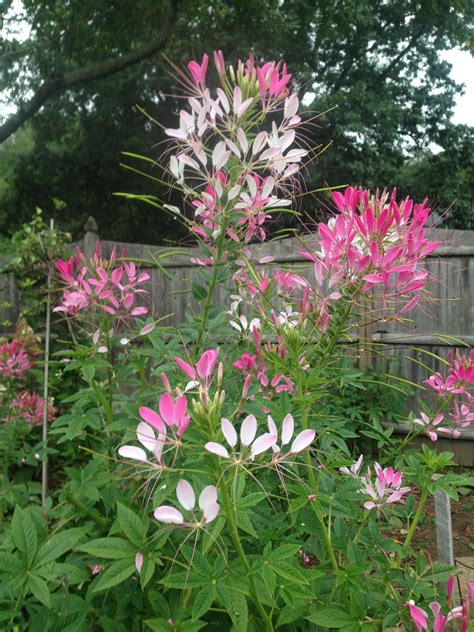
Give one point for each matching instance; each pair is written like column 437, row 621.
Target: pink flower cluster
column 30, row 408
column 442, row 622
column 375, row 241
column 233, row 169
column 456, row 389
column 109, row 285
column 14, row 360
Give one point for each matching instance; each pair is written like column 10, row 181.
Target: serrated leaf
column 109, row 548
column 289, row 572
column 24, row 534
column 146, row 572
column 245, row 524
column 158, row 625
column 184, row 580
column 269, row 578
column 40, row 589
column 131, row 524
column 331, row 618
column 289, row 614
column 116, row 573
column 203, row 601
column 57, row 545
column 285, row 551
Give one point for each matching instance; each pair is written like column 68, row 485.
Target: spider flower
column 172, row 414
column 187, row 499
column 201, row 374
column 30, row 408
column 354, row 469
column 14, row 360
column 302, row 441
column 250, row 447
column 153, row 443
column 387, row 488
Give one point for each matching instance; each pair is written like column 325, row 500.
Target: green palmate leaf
column 132, row 525
column 203, row 601
column 110, row 548
column 39, row 588
column 289, row 614
column 331, row 618
column 285, row 551
column 57, row 545
column 118, row 572
column 245, row 524
column 24, row 534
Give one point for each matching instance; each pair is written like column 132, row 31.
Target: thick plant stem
column 232, row 523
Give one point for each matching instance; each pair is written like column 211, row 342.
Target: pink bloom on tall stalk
column 30, row 407
column 250, row 446
column 375, row 241
column 432, row 427
column 14, row 360
column 201, row 374
column 187, row 499
column 108, row 285
column 387, row 488
column 222, row 134
column 172, row 414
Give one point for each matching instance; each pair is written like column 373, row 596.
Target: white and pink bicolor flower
column 250, row 447
column 172, row 414
column 187, row 499
column 302, row 441
column 200, row 374
column 153, row 443
column 387, row 488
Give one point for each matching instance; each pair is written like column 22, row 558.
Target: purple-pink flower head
column 173, row 413
column 187, row 499
column 14, row 360
column 387, row 488
column 202, row 373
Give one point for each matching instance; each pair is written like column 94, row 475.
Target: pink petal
column 262, row 443
column 287, row 429
column 186, row 368
column 185, row 495
column 272, row 426
column 149, row 415
column 131, row 452
column 369, row 505
column 248, row 430
column 229, row 432
column 168, row 515
column 217, row 448
column 138, row 561
column 166, row 405
column 303, row 440
column 207, row 362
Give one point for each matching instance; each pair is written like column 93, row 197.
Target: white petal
column 168, row 515
column 287, row 429
column 291, row 106
column 252, row 185
column 302, row 441
column 248, row 430
column 259, row 142
column 262, row 443
column 146, row 436
column 268, row 187
column 234, row 192
column 185, row 495
column 207, row 497
column 242, row 138
column 272, row 425
column 229, row 432
column 217, row 448
column 131, row 452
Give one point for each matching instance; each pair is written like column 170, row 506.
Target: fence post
column 444, row 530
column 91, row 236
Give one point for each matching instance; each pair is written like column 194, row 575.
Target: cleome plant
column 204, row 484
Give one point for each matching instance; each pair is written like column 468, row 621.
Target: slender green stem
column 232, row 524
column 416, row 519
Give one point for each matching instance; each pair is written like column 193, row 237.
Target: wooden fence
column 449, row 314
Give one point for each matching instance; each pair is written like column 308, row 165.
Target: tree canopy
column 372, row 69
